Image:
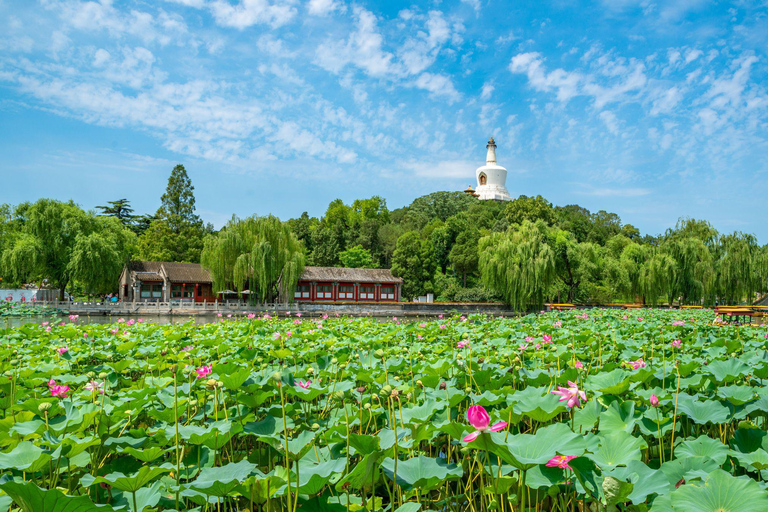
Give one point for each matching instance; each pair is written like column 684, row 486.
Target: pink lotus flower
column 140, row 320
column 478, row 418
column 113, row 331
column 639, row 319
column 204, row 371
column 120, row 320
column 325, row 316
column 561, row 461
column 420, row 336
column 94, row 386
column 48, row 329
column 678, row 322
column 572, row 393
column 251, row 316
column 229, row 315
column 303, row 385
column 654, row 401
column 462, row 344
column 547, row 338
column 443, row 326
column 394, row 319
column 529, row 339
column 298, row 315
column 624, row 317
column 59, row 391
column 267, row 317
column 276, row 336
column 523, row 347
column 636, row 365
column 677, row 343
column 557, row 324
column 297, row 321
column 422, row 325
column 187, row 348
column 73, row 318
column 218, row 315
column 130, row 322
column 538, row 346
column 44, row 324
column 462, row 318
column 578, row 364
column 440, row 316
column 62, row 350
column 288, row 334
column 51, row 383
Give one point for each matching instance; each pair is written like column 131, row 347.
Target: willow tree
column 695, row 276
column 98, row 258
column 738, row 268
column 518, row 264
column 260, row 254
column 657, row 277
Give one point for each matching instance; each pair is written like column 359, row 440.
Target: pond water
column 18, row 321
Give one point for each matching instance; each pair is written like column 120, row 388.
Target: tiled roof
column 187, row 273
column 349, row 275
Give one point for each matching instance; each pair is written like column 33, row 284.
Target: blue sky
column 651, row 109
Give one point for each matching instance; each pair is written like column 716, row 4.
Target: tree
column 518, row 264
column 178, row 202
column 356, row 257
column 413, row 261
column 99, row 257
column 738, row 260
column 529, row 208
column 258, row 253
column 575, row 263
column 463, row 255
column 177, row 232
column 58, row 242
column 120, row 209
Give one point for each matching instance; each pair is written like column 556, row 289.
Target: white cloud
column 444, row 169
column 437, row 85
column 475, row 4
column 363, row 48
column 325, row 7
column 617, row 192
column 486, row 91
column 666, row 101
column 531, row 64
column 247, row 13
column 610, row 120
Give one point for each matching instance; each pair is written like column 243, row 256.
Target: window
column 388, row 293
column 324, row 291
column 151, row 291
column 346, row 292
column 182, row 292
column 367, row 292
column 302, row 291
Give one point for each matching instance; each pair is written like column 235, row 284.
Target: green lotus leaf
column 687, row 468
column 702, row 413
column 222, row 481
column 313, row 477
column 645, row 481
column 703, row 446
column 727, row 370
column 747, row 440
column 617, row 449
column 737, row 395
column 363, row 474
column 615, row 382
column 127, row 483
column 25, row 457
column 720, row 493
column 146, row 455
column 537, row 403
column 31, row 498
column 423, row 473
column 619, row 416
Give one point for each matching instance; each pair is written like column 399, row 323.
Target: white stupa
column 491, row 178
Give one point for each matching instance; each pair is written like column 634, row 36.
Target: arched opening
column 482, row 178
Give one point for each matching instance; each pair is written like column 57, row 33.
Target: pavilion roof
column 350, row 275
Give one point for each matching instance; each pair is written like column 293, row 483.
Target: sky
column 654, row 110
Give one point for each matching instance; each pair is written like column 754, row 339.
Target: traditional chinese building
column 162, row 281
column 333, row 284
column 491, row 178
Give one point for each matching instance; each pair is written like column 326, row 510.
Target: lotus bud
column 103, row 375
column 481, row 360
column 129, row 412
column 465, row 450
column 379, row 353
column 468, row 389
column 408, row 396
column 277, row 376
column 315, row 426
column 211, row 383
column 419, row 383
column 386, row 391
column 338, row 396
column 334, row 361
column 459, row 356
column 443, row 385
column 14, row 362
column 209, row 398
column 361, row 389
column 654, row 401
column 193, row 402
column 44, row 407
column 395, row 393
column 8, row 373
column 310, row 371
column 397, row 377
column 367, row 406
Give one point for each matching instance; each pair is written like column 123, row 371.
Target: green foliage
column 356, row 257
column 518, row 264
column 413, row 261
column 59, row 242
column 258, row 253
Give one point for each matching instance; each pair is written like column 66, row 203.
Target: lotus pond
column 570, row 411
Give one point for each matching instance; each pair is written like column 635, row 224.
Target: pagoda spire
column 490, row 158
